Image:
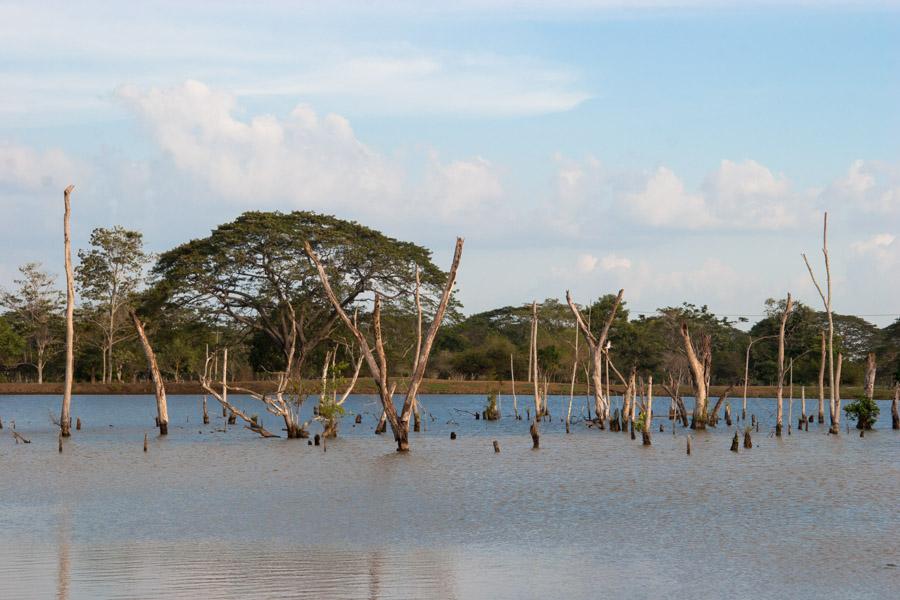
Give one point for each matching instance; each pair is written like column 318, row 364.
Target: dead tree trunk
column 826, row 299
column 870, row 376
column 836, row 417
column 159, row 387
column 377, row 360
column 648, row 414
column 713, row 417
column 779, row 393
column 895, row 412
column 65, row 416
column 598, row 347
column 512, row 375
column 699, row 366
column 822, row 382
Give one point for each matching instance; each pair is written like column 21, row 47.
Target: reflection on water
column 209, row 514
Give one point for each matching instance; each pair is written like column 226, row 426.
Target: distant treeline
column 250, row 286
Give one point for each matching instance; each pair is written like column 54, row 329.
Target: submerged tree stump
column 205, row 413
column 496, row 446
column 689, row 445
column 735, row 441
column 60, row 442
column 358, row 419
column 78, row 424
column 452, row 435
column 748, row 443
column 535, row 435
column 145, row 442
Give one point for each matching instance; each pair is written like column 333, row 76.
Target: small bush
column 864, row 410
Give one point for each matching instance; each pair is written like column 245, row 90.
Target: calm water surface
column 213, row 514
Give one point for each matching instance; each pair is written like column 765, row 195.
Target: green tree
column 108, row 275
column 35, row 308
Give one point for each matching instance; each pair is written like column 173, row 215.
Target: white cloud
column 883, row 248
column 309, row 160
column 872, row 186
column 664, row 202
column 23, row 167
column 613, row 262
column 586, row 263
column 462, row 188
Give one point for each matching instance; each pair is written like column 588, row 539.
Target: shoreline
column 429, row 386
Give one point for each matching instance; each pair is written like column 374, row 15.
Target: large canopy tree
column 254, row 272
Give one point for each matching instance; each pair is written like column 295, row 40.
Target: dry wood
column 712, row 418
column 836, row 417
column 870, row 376
column 598, row 347
column 221, row 396
column 65, row 418
column 826, row 300
column 895, row 411
column 822, row 381
column 648, row 414
column 699, row 363
column 747, row 371
column 159, row 387
column 779, row 392
column 19, row 438
column 512, row 375
column 378, row 363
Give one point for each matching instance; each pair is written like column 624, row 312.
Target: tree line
column 252, row 287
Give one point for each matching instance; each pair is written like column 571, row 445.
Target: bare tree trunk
column 895, row 415
column 65, row 418
column 779, row 394
column 535, row 429
column 822, row 382
column 648, row 419
column 572, row 384
column 826, row 299
column 378, row 364
column 512, row 374
column 598, row 348
column 159, row 387
column 836, row 392
column 205, row 413
column 870, row 376
column 803, row 403
column 698, row 378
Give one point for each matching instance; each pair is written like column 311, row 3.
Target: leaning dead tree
column 597, row 347
column 779, row 393
column 65, row 417
column 219, row 392
column 700, row 364
column 826, row 300
column 377, row 360
column 159, row 388
column 673, row 389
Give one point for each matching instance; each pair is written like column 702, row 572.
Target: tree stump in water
column 661, row 428
column 496, row 446
column 728, row 414
column 358, row 419
column 535, row 436
column 452, row 435
column 317, row 439
column 78, row 424
column 735, row 442
column 1, row 424
column 60, row 443
column 632, row 429
column 748, row 443
column 145, row 442
column 567, row 425
column 688, row 445
column 232, row 419
column 477, row 415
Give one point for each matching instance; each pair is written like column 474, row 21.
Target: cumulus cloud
column 664, row 202
column 871, row 186
column 462, row 188
column 882, row 247
column 308, row 159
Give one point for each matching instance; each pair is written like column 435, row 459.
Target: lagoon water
column 214, row 514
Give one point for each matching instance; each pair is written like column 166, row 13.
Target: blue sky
column 681, row 150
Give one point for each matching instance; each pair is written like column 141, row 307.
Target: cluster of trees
column 251, row 286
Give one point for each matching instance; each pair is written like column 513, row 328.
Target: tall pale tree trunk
column 870, row 376
column 895, row 411
column 822, row 381
column 698, row 379
column 159, row 387
column 779, row 393
column 836, row 393
column 65, row 417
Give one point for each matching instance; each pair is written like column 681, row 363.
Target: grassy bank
column 429, row 386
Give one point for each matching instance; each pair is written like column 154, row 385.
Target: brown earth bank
column 429, row 386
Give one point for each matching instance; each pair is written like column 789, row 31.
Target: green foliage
column 864, row 410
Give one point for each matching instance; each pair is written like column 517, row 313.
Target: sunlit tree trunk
column 598, row 348
column 822, row 382
column 65, row 418
column 895, row 410
column 779, row 393
column 159, row 387
column 698, row 377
